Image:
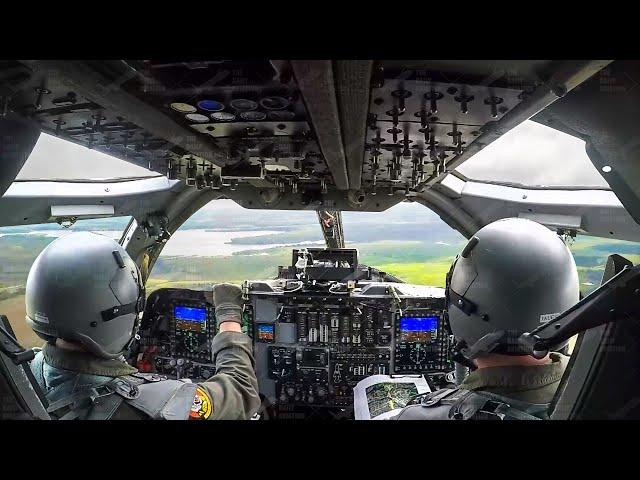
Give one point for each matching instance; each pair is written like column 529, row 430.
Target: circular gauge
column 210, row 105
column 183, row 107
column 418, row 354
column 196, row 117
column 281, row 116
column 274, row 103
column 243, row 104
column 223, row 117
column 190, row 344
column 253, row 116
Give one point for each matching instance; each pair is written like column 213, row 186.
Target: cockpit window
column 591, row 253
column 534, row 155
column 55, row 159
column 408, row 241
column 19, row 247
column 224, row 242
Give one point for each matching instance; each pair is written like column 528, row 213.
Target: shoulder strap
column 165, row 400
column 479, row 405
column 434, row 398
column 159, row 399
column 517, row 409
column 79, row 403
column 95, row 403
column 433, row 406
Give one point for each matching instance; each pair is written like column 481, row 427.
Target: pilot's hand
column 228, row 301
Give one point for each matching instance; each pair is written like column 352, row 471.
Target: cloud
column 54, row 158
column 534, row 154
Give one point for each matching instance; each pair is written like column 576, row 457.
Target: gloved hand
column 228, row 301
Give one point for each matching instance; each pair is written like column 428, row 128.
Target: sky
column 534, row 154
column 55, row 158
column 531, row 154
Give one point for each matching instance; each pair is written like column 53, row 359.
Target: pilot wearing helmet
column 513, row 275
column 84, row 296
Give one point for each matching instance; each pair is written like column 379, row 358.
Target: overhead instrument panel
column 254, row 114
column 332, row 135
column 419, row 120
column 214, row 124
column 68, row 110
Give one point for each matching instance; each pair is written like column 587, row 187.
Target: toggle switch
column 433, row 97
column 464, row 100
column 401, row 95
column 493, row 102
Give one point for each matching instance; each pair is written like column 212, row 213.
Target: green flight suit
column 532, row 384
column 230, row 394
column 535, row 384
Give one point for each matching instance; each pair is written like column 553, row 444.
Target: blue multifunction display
column 420, row 344
column 418, row 329
column 190, row 314
column 417, row 324
column 192, row 332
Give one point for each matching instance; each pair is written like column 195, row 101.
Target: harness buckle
column 100, row 391
column 496, row 409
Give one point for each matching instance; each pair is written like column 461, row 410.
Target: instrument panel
column 312, row 347
column 316, row 333
column 176, row 332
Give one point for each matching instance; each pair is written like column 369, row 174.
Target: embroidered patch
column 202, row 405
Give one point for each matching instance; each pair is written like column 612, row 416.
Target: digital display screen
column 418, row 329
column 265, row 332
column 190, row 314
column 314, row 357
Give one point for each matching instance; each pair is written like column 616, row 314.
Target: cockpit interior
column 332, row 138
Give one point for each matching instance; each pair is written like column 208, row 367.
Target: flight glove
column 228, row 302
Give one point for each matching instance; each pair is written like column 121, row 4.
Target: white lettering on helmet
column 547, row 317
column 42, row 318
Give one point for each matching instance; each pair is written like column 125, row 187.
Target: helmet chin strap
column 141, row 303
column 489, row 343
column 458, row 357
column 485, row 345
column 464, row 354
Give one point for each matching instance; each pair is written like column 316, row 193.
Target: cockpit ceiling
column 301, row 134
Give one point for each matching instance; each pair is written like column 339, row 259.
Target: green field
column 427, row 273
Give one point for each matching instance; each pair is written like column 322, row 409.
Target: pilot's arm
column 232, row 393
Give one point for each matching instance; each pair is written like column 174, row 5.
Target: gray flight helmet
column 513, row 275
column 84, row 287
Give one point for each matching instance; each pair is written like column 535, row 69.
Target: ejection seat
column 602, row 379
column 20, row 395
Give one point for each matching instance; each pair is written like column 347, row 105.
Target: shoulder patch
column 202, row 405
